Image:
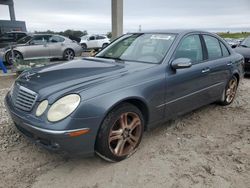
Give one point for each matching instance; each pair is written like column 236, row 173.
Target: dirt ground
column 209, row 147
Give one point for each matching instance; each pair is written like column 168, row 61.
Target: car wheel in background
column 68, row 54
column 84, row 46
column 120, row 133
column 230, row 91
column 17, row 57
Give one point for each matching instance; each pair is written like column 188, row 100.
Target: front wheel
column 120, row 133
column 68, row 54
column 230, row 91
column 17, row 56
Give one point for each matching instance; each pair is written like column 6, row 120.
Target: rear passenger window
column 213, row 47
column 190, row 47
column 225, row 51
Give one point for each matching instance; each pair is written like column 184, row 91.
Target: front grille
column 23, row 98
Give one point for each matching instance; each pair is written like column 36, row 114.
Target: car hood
column 243, row 51
column 76, row 75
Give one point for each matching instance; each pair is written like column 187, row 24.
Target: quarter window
column 213, row 47
column 190, row 47
column 225, row 51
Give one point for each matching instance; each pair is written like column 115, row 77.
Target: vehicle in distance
column 103, row 104
column 94, row 42
column 42, row 46
column 10, row 38
column 244, row 49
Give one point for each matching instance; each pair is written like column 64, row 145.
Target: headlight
column 42, row 107
column 63, row 107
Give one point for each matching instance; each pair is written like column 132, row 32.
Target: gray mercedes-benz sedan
column 42, row 46
column 104, row 104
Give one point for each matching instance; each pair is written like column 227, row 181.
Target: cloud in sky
column 95, row 15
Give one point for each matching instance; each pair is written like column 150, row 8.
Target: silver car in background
column 42, row 46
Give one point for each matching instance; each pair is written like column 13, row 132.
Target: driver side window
column 191, row 48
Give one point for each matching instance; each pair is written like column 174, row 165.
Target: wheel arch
column 68, row 48
column 140, row 103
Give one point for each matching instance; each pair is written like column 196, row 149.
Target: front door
column 37, row 48
column 186, row 88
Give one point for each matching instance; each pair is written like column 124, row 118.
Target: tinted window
column 100, row 37
column 213, row 47
column 24, row 40
column 55, row 39
column 225, row 51
column 40, row 39
column 246, row 42
column 20, row 35
column 190, row 47
column 92, row 38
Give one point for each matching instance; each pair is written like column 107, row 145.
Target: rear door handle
column 205, row 70
column 229, row 64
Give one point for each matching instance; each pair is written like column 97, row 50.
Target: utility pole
column 117, row 18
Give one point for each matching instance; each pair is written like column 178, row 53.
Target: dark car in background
column 41, row 46
column 244, row 49
column 103, row 104
column 10, row 38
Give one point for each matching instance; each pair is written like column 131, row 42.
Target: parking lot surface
column 209, row 147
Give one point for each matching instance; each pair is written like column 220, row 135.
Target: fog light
column 42, row 107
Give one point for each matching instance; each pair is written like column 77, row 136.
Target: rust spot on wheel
column 125, row 134
column 231, row 90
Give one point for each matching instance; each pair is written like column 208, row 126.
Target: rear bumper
column 55, row 140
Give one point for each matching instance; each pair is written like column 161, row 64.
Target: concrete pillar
column 12, row 12
column 117, row 18
column 10, row 3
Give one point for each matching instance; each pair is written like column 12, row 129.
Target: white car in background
column 94, row 42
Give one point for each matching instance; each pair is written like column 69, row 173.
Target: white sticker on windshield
column 161, row 37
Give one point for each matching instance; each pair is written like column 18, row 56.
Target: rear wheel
column 68, row 54
column 84, row 46
column 230, row 91
column 120, row 133
column 17, row 56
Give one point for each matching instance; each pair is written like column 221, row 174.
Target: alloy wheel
column 125, row 134
column 231, row 90
column 69, row 55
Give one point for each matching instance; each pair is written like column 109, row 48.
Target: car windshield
column 24, row 40
column 246, row 42
column 147, row 48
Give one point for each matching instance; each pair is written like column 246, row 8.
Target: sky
column 95, row 15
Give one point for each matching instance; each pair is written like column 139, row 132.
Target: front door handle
column 205, row 70
column 229, row 64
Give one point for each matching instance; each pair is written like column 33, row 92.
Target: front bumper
column 56, row 140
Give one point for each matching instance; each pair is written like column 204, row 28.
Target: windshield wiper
column 114, row 58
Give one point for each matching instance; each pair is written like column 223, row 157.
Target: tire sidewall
column 224, row 101
column 102, row 144
column 64, row 54
column 8, row 54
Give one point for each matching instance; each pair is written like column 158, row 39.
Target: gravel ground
column 209, row 147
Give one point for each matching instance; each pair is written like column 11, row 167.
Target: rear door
column 219, row 63
column 55, row 46
column 186, row 89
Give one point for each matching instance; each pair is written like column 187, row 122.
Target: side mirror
column 181, row 63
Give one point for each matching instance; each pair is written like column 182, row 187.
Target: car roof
column 16, row 32
column 174, row 31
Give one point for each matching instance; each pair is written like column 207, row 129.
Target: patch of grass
column 234, row 35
